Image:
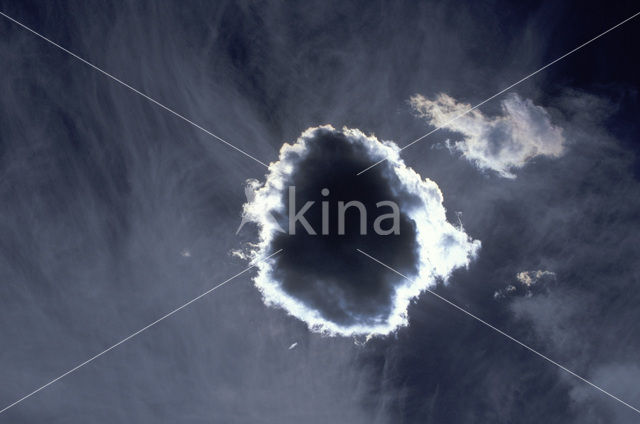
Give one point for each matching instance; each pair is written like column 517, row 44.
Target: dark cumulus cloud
column 317, row 265
column 320, row 277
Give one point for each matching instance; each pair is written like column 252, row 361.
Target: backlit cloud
column 321, row 279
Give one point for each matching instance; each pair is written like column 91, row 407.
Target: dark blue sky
column 114, row 212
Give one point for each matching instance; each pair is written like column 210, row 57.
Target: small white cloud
column 503, row 143
column 529, row 278
column 499, row 294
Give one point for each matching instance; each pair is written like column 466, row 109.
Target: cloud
column 503, row 143
column 573, row 216
column 322, row 279
column 114, row 213
column 529, row 278
column 619, row 379
column 528, row 282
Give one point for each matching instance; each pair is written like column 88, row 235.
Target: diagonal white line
column 133, row 89
column 136, row 333
column 504, row 90
column 505, row 334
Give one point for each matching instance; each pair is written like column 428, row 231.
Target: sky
column 115, row 211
